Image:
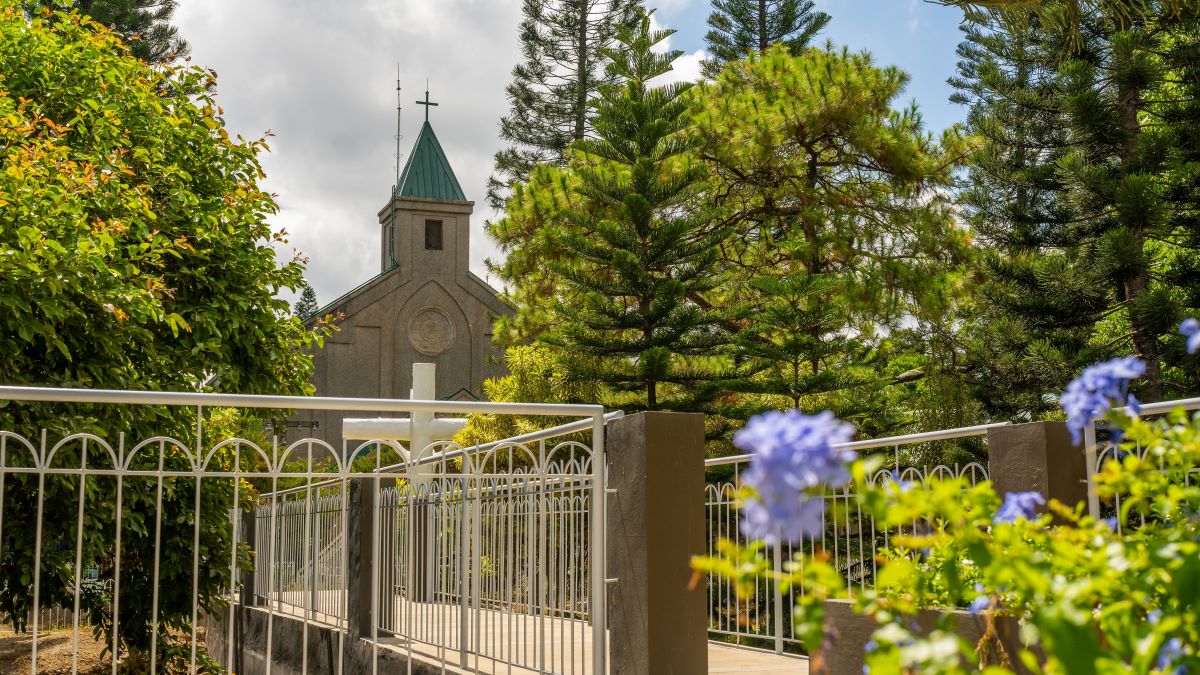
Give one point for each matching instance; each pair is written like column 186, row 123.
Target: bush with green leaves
column 136, row 252
column 1088, row 596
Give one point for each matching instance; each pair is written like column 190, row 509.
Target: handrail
column 540, row 435
column 1161, row 407
column 923, row 437
column 54, row 394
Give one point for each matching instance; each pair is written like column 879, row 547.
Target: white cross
column 422, row 429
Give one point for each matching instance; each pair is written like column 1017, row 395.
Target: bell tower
column 424, row 307
column 426, row 225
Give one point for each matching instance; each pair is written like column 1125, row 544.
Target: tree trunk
column 581, row 73
column 1145, row 342
column 762, row 26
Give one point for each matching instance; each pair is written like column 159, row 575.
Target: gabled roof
column 427, row 174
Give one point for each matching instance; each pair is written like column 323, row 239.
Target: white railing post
column 1089, row 452
column 466, row 562
column 598, row 604
column 777, row 561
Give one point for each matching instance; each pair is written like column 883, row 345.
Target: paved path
column 739, row 660
column 516, row 643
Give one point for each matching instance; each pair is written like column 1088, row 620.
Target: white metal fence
column 486, row 557
column 523, row 598
column 301, row 537
column 850, row 540
column 1100, row 448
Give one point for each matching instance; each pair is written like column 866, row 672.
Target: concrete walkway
column 723, row 659
column 742, row 661
column 515, row 643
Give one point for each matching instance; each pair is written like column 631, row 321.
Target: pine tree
column 1014, row 200
column 1083, row 189
column 306, row 306
column 636, row 252
column 739, row 27
column 842, row 226
column 144, row 24
column 562, row 67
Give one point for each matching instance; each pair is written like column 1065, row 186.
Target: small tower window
column 433, row 235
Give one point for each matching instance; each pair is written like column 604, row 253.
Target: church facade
column 425, row 306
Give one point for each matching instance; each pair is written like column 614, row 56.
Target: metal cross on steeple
column 426, row 102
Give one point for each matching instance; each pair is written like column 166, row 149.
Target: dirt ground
column 54, row 653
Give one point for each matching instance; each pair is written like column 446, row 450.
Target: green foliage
column 635, row 252
column 839, row 256
column 1084, row 192
column 307, row 305
column 1089, row 599
column 562, row 67
column 145, row 25
column 537, row 374
column 529, row 234
column 842, row 226
column 135, row 253
column 738, row 28
column 1063, row 16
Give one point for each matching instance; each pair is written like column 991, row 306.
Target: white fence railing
column 1099, row 449
column 168, row 527
column 523, row 597
column 305, row 550
column 762, row 618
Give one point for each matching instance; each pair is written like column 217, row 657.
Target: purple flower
column 1171, row 650
column 1191, row 330
column 981, row 602
column 1019, row 505
column 1091, row 395
column 792, row 455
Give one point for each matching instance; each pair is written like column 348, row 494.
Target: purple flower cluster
column 1191, row 330
column 1171, row 651
column 1093, row 393
column 981, row 601
column 1019, row 505
column 792, row 455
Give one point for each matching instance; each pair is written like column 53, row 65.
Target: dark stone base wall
column 851, row 632
column 250, row 636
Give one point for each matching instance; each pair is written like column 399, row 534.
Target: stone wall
column 851, row 632
column 287, row 647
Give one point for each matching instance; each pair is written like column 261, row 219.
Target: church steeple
column 426, row 225
column 427, row 174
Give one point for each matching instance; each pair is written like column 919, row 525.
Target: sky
column 320, row 76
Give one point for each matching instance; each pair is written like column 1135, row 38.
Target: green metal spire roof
column 427, row 174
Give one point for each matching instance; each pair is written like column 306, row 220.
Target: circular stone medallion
column 430, row 331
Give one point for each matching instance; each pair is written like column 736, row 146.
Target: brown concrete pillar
column 1037, row 457
column 360, row 501
column 657, row 626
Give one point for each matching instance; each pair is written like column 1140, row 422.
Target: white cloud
column 322, row 75
column 685, row 69
column 670, row 5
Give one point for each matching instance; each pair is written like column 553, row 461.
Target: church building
column 425, row 306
